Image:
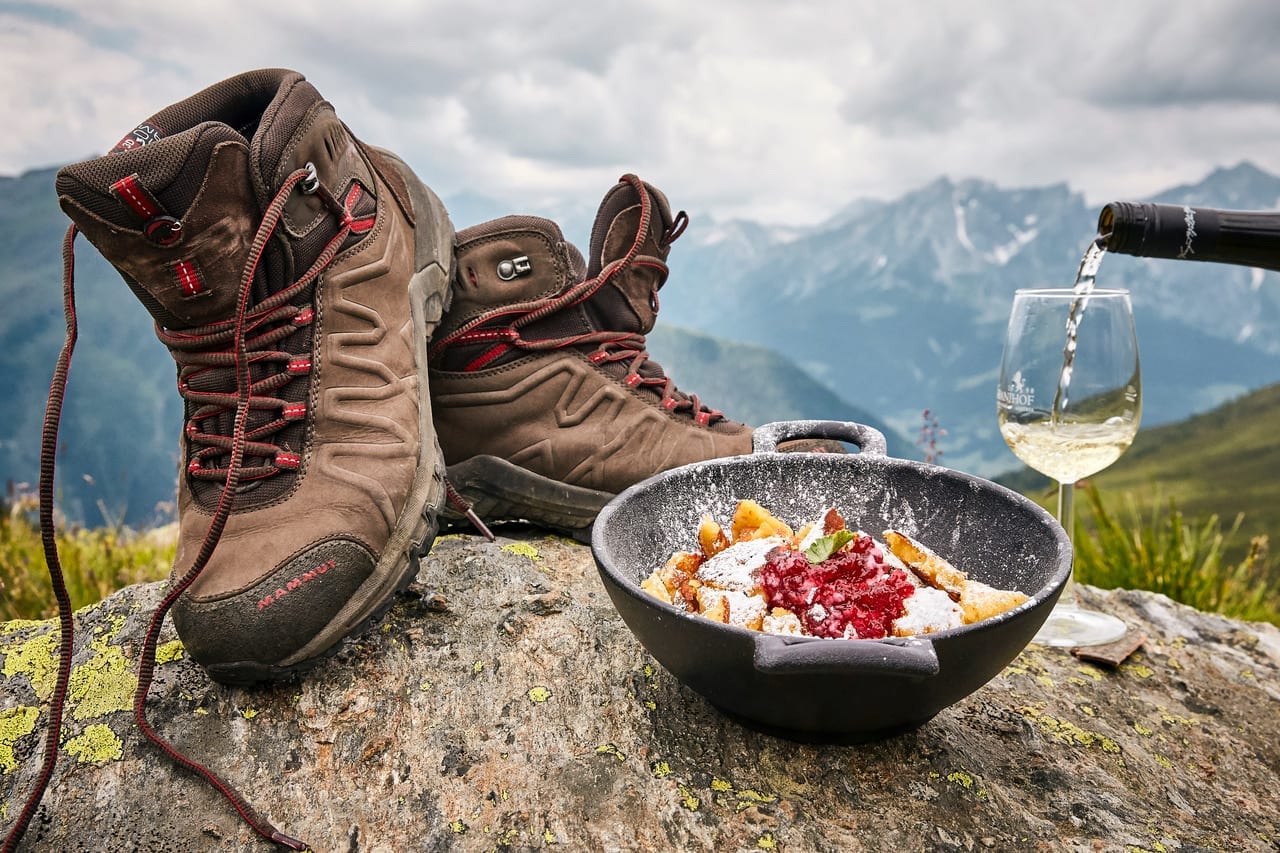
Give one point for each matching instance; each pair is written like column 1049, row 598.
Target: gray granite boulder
column 503, row 705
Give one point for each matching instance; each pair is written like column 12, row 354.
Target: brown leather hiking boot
column 296, row 275
column 544, row 397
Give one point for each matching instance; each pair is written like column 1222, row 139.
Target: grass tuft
column 1162, row 551
column 95, row 562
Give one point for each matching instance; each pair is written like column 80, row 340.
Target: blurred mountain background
column 885, row 310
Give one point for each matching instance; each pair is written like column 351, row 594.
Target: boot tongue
column 628, row 302
column 172, row 154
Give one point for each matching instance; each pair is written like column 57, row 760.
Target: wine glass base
column 1069, row 626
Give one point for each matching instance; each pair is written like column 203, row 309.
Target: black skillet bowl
column 817, row 689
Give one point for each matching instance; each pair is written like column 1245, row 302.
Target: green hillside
column 1223, row 462
column 754, row 384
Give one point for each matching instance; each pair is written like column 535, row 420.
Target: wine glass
column 1069, row 411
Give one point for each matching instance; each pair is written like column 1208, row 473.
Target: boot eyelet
column 514, row 267
column 311, row 182
column 163, row 230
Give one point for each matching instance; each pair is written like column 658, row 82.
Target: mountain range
column 901, row 305
column 885, row 310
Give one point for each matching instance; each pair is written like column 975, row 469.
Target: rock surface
column 503, row 705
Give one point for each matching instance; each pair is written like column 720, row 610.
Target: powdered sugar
column 745, row 611
column 737, row 567
column 782, row 622
column 928, row 610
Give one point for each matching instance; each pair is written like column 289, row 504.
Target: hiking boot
column 296, row 275
column 544, row 398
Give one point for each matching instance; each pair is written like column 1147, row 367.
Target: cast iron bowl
column 808, row 688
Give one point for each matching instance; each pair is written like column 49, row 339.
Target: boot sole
column 499, row 491
column 418, row 524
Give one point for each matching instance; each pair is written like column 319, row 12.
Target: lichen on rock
column 506, row 706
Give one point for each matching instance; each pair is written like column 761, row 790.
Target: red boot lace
column 610, row 346
column 224, row 345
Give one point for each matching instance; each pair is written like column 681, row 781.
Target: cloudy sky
column 778, row 111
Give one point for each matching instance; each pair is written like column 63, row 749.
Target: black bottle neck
column 1241, row 237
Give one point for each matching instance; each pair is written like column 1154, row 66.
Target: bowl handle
column 909, row 657
column 766, row 438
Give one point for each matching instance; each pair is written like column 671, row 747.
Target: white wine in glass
column 1069, row 402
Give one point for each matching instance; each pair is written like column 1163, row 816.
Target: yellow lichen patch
column 539, row 694
column 37, row 659
column 688, row 799
column 1045, row 681
column 171, row 651
column 660, row 769
column 548, row 837
column 650, row 704
column 1174, row 719
column 766, row 842
column 721, row 785
column 14, row 723
column 1248, row 675
column 748, row 798
column 1067, row 732
column 104, row 683
column 523, row 549
column 1088, row 711
column 1089, row 672
column 1141, row 729
column 96, row 745
column 114, row 623
column 249, row 713
column 458, row 826
column 1137, row 670
column 964, row 780
column 13, row 626
column 477, row 667
column 610, row 749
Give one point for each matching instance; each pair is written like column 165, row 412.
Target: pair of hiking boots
column 311, row 290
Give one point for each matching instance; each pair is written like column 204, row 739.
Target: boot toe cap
column 267, row 631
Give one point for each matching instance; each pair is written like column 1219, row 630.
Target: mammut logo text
column 296, row 582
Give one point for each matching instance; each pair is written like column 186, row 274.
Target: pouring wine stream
column 1086, row 277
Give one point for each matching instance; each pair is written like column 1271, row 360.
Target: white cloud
column 783, row 112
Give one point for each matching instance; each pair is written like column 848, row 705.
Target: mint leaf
column 823, row 548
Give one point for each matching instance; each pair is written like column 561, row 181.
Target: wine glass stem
column 1067, row 518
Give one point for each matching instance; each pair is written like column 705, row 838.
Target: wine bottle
column 1248, row 238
